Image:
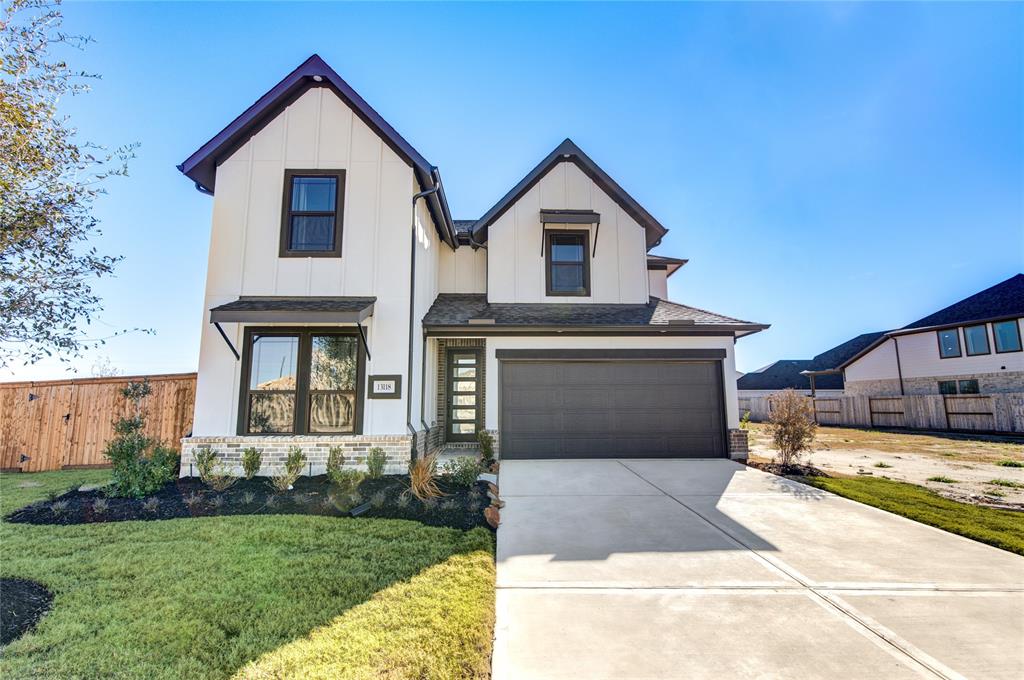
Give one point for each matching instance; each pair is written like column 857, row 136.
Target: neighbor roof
column 787, row 374
column 567, row 151
column 473, row 310
column 1001, row 300
column 201, row 166
column 1005, row 300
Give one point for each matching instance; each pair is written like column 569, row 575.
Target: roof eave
column 736, row 330
column 567, row 151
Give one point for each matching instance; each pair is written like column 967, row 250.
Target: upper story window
column 568, row 267
column 1007, row 335
column 311, row 223
column 976, row 339
column 949, row 343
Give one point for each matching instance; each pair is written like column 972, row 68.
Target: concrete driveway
column 709, row 569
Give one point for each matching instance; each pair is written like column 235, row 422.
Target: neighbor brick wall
column 988, row 383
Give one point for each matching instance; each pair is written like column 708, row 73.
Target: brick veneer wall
column 988, row 383
column 739, row 446
column 275, row 451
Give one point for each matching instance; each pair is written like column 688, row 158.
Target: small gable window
column 311, row 224
column 568, row 266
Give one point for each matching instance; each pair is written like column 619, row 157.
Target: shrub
column 141, row 465
column 252, row 460
column 192, row 500
column 211, row 471
column 151, row 504
column 486, row 441
column 248, row 498
column 378, row 499
column 284, row 480
column 462, row 471
column 423, row 478
column 335, row 463
column 745, row 421
column 100, row 506
column 58, row 508
column 942, row 479
column 791, row 426
column 1008, row 483
column 375, row 461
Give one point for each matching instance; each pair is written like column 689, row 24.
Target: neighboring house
column 345, row 307
column 970, row 347
column 800, row 374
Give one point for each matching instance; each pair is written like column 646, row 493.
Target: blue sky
column 830, row 169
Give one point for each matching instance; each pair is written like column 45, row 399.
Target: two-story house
column 345, row 307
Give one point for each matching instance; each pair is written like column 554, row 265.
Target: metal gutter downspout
column 899, row 369
column 412, row 312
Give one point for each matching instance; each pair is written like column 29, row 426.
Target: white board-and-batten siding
column 317, row 131
column 516, row 270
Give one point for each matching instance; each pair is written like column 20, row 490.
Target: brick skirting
column 316, row 447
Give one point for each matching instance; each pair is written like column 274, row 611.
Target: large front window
column 301, row 382
column 568, row 270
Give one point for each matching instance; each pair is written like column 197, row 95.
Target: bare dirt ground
column 969, row 460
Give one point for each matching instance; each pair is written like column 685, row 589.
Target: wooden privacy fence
column 1000, row 412
column 59, row 424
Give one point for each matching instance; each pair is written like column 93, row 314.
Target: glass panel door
column 463, row 382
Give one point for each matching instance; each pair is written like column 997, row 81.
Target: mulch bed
column 22, row 603
column 787, row 470
column 459, row 508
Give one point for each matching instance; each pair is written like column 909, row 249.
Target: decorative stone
column 488, row 477
column 492, row 516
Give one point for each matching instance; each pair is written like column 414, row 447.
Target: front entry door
column 463, row 383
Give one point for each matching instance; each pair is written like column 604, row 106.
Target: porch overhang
column 301, row 310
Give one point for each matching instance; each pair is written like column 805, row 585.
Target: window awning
column 570, row 216
column 278, row 309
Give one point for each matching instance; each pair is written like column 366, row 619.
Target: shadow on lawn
column 201, row 598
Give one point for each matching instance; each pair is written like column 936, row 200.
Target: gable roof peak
column 569, row 151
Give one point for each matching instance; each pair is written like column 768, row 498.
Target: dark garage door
column 611, row 409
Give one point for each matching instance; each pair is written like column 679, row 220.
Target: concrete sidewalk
column 706, row 568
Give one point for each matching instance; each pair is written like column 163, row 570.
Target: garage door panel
column 588, row 409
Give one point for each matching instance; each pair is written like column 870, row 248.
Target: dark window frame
column 967, row 345
column 995, row 337
column 949, row 384
column 959, row 344
column 286, row 212
column 450, row 407
column 960, row 386
column 585, row 234
column 300, row 417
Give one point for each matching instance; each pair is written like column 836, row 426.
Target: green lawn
column 252, row 597
column 1001, row 528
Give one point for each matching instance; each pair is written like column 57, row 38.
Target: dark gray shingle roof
column 786, row 373
column 1002, row 299
column 457, row 309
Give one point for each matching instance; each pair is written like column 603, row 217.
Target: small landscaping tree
column 791, row 426
column 211, row 471
column 141, row 464
column 486, row 441
column 252, row 460
column 284, row 480
column 375, row 461
column 335, row 463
